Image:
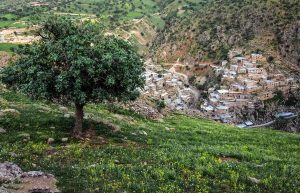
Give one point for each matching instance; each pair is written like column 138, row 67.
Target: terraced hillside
column 188, row 30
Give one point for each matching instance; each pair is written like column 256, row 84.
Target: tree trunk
column 77, row 131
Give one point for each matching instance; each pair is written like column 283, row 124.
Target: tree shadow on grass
column 42, row 124
column 109, row 132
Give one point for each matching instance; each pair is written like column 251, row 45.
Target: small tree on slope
column 73, row 62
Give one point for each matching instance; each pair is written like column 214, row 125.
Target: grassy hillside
column 113, row 13
column 177, row 154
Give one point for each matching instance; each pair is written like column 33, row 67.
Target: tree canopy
column 75, row 62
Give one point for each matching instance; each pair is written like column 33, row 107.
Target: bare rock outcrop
column 33, row 181
column 142, row 108
column 289, row 46
column 9, row 172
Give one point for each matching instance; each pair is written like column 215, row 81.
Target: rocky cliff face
column 289, row 46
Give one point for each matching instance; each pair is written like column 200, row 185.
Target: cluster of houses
column 170, row 87
column 245, row 83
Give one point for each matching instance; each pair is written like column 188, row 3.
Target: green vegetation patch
column 11, row 23
column 158, row 22
column 7, row 47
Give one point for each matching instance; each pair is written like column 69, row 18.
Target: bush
column 192, row 79
column 270, row 59
column 160, row 104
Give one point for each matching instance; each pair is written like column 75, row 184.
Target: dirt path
column 193, row 88
column 75, row 14
column 17, row 36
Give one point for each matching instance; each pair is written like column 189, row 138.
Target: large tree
column 74, row 62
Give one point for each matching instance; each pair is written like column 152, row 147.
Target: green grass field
column 111, row 13
column 195, row 155
column 6, row 47
column 11, row 24
column 10, row 20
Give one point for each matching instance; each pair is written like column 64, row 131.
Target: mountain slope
column 188, row 30
column 210, row 31
column 177, row 154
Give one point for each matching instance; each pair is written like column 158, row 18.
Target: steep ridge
column 210, row 31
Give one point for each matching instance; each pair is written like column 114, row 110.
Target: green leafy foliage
column 160, row 104
column 74, row 62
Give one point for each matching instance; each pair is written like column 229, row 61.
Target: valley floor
column 177, row 154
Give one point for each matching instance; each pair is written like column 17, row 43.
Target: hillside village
column 245, row 84
column 190, row 96
column 170, row 87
